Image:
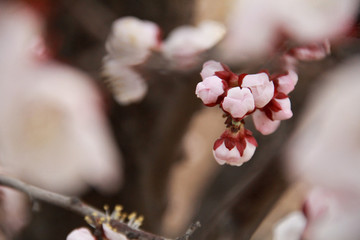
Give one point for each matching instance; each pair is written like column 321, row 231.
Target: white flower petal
column 126, row 84
column 290, row 227
column 80, row 234
column 111, row 234
column 132, row 40
column 184, row 44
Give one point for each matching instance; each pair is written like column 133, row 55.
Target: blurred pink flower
column 261, row 87
column 238, row 102
column 234, row 148
column 318, row 203
column 126, row 84
column 131, row 40
column 80, row 234
column 324, row 151
column 21, row 35
column 290, row 227
column 130, row 43
column 311, row 52
column 13, row 211
column 331, row 215
column 53, row 132
column 184, row 44
column 210, row 89
column 255, row 27
column 329, row 133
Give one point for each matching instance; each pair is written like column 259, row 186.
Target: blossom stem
column 76, row 205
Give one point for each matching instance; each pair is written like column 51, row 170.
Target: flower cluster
column 261, row 95
column 131, row 43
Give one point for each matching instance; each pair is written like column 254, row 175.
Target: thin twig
column 72, row 203
column 76, row 205
column 190, row 231
column 38, row 194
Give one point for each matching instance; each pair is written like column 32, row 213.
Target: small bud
column 238, row 102
column 261, row 88
column 210, row 67
column 210, row 89
column 286, row 83
column 234, row 148
column 285, row 112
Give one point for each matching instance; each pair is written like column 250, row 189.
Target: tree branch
column 76, row 205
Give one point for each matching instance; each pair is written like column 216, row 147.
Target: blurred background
column 62, row 129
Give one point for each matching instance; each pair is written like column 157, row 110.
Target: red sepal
column 217, row 143
column 241, row 78
column 229, row 143
column 223, row 75
column 281, row 95
column 241, row 145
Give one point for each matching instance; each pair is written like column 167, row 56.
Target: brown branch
column 76, row 205
column 190, row 231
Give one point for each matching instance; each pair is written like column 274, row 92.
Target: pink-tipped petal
column 261, row 87
column 263, row 124
column 285, row 112
column 210, row 89
column 209, row 68
column 287, row 82
column 223, row 155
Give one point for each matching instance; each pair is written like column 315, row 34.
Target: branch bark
column 74, row 204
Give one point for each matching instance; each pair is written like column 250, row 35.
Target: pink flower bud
column 261, row 87
column 80, row 234
column 285, row 112
column 263, row 124
column 210, row 67
column 286, row 83
column 238, row 102
column 210, row 89
column 234, row 148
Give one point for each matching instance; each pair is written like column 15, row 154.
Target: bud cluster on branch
column 262, row 95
